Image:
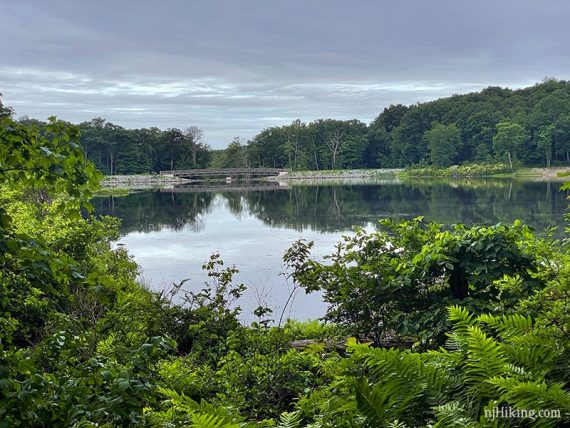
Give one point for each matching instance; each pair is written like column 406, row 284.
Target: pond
column 172, row 232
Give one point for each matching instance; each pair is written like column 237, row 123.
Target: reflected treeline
column 340, row 207
column 151, row 211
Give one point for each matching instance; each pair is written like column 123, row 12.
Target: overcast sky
column 235, row 67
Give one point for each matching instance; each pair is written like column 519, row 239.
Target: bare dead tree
column 334, row 143
column 194, row 137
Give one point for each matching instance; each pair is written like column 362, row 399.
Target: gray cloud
column 234, row 67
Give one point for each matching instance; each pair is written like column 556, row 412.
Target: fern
column 290, row 420
column 191, row 413
column 462, row 320
column 532, row 395
column 508, row 325
column 396, row 424
column 453, row 415
column 505, row 364
column 375, row 403
column 439, row 374
column 211, row 421
column 460, row 317
column 536, row 354
column 484, row 358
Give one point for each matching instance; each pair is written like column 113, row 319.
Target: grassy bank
column 487, row 170
column 113, row 191
column 473, row 170
column 340, row 174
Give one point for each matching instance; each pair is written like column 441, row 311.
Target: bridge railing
column 221, row 188
column 227, row 172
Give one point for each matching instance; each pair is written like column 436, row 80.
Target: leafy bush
column 392, row 286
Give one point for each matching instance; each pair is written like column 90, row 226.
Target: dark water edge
column 339, row 207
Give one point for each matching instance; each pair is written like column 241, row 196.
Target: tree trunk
column 334, row 143
column 510, row 160
column 458, row 283
column 316, row 161
column 111, row 163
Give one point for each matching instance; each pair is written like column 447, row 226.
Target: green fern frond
column 536, row 354
column 390, row 399
column 372, row 403
column 460, row 316
column 386, row 363
column 517, row 371
column 202, row 414
column 211, row 421
column 290, row 420
column 508, row 325
column 532, row 395
column 453, row 415
column 462, row 319
column 485, row 360
column 177, row 399
column 396, row 424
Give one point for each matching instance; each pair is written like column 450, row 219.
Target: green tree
column 562, row 136
column 293, row 144
column 234, row 156
column 509, row 137
column 172, row 146
column 545, row 137
column 443, row 143
column 407, row 145
column 5, row 111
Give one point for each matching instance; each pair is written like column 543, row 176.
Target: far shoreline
column 150, row 181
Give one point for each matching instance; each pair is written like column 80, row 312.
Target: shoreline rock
column 141, row 180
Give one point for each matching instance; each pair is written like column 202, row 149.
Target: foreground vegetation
column 444, row 324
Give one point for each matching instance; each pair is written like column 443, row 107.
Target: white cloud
column 235, row 67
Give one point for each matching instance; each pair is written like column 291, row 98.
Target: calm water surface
column 172, row 232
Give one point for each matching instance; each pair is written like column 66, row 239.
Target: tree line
column 529, row 126
column 114, row 149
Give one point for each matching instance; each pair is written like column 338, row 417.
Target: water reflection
column 171, row 233
column 334, row 208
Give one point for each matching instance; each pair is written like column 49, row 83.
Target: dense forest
column 531, row 125
column 117, row 150
column 426, row 326
column 528, row 126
